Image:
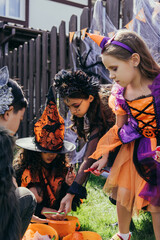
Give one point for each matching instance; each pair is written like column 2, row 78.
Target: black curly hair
column 71, row 83
column 27, row 159
column 78, row 84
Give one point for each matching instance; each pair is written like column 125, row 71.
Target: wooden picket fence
column 35, row 63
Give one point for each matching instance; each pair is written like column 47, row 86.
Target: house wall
column 44, row 14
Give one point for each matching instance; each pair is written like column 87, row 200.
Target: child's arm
column 70, row 176
column 38, row 195
column 38, row 220
column 120, row 121
column 45, row 211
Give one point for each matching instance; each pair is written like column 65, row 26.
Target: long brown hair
column 99, row 115
column 147, row 66
column 78, row 84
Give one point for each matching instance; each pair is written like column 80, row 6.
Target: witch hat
column 103, row 41
column 99, row 39
column 49, row 131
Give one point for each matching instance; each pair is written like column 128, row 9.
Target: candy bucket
column 63, row 228
column 43, row 229
column 86, row 235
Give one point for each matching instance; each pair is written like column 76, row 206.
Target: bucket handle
column 77, row 225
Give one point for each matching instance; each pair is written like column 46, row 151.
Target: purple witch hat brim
column 104, row 41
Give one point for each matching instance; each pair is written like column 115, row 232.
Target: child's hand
column 70, row 177
column 98, row 165
column 66, row 203
column 53, row 214
column 39, row 220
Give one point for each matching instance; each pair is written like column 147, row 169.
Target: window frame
column 74, row 4
column 18, row 21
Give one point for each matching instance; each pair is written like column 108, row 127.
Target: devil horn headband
column 103, row 41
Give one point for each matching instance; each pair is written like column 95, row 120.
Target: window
column 80, row 4
column 15, row 11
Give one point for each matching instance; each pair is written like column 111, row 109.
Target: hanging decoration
column 71, row 35
column 89, row 59
column 129, row 25
column 83, row 33
column 141, row 16
column 145, row 21
column 156, row 10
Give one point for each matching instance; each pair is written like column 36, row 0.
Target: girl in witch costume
column 134, row 179
column 17, row 204
column 91, row 117
column 42, row 166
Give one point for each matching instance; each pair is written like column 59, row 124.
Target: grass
column 98, row 214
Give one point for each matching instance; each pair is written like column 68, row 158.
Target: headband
column 103, row 41
column 6, row 96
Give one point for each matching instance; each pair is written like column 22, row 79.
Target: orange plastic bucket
column 87, row 235
column 43, row 229
column 64, row 228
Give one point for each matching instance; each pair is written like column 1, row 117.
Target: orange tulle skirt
column 123, row 183
column 107, row 143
